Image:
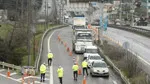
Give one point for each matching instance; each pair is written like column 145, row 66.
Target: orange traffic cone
column 70, row 53
column 28, row 81
column 33, row 81
column 79, row 71
column 22, row 80
column 84, row 80
column 65, row 44
column 8, row 73
column 68, row 49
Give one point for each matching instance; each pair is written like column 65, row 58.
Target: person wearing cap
column 43, row 71
column 60, row 72
column 84, row 67
column 75, row 68
column 50, row 56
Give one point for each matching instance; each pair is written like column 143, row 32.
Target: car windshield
column 91, row 51
column 95, row 57
column 84, row 36
column 99, row 64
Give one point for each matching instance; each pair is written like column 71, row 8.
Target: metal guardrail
column 117, row 70
column 12, row 66
column 137, row 30
column 38, row 59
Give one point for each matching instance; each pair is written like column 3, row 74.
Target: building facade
column 146, row 4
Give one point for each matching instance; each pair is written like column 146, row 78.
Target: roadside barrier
column 84, row 80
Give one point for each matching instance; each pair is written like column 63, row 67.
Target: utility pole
column 132, row 11
column 120, row 14
column 29, row 25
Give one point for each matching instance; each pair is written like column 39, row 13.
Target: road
column 138, row 44
column 61, row 57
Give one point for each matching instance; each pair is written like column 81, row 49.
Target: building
column 146, row 4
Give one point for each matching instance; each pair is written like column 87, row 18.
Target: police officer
column 60, row 73
column 75, row 68
column 84, row 67
column 50, row 56
column 43, row 71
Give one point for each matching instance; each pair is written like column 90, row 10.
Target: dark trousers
column 75, row 75
column 85, row 69
column 49, row 61
column 42, row 77
column 60, row 80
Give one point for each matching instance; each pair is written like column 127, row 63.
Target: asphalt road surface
column 62, row 58
column 138, row 45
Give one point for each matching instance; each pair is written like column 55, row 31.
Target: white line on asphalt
column 114, row 82
column 2, row 70
column 51, row 67
column 9, row 78
column 13, row 74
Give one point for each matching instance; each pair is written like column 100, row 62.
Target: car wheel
column 91, row 74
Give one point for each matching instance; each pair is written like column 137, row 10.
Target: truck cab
column 81, row 39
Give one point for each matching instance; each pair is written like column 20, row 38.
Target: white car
column 89, row 50
column 99, row 68
column 93, row 57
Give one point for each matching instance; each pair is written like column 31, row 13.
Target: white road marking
column 2, row 70
column 51, row 67
column 31, row 77
column 9, row 77
column 13, row 74
column 114, row 82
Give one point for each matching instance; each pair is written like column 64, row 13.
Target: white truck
column 79, row 22
column 81, row 39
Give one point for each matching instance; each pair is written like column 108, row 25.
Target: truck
column 79, row 22
column 81, row 39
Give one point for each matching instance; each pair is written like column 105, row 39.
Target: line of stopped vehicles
column 83, row 43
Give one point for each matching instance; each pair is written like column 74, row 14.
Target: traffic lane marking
column 13, row 74
column 51, row 67
column 9, row 77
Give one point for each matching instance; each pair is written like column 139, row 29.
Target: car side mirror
column 102, row 59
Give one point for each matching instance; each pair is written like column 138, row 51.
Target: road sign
column 105, row 23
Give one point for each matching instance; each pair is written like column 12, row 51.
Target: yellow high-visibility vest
column 50, row 55
column 60, row 72
column 42, row 68
column 75, row 67
column 84, row 64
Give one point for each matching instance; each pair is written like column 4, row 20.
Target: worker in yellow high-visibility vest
column 75, row 68
column 60, row 73
column 43, row 71
column 50, row 56
column 85, row 67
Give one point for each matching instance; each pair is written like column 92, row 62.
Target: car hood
column 98, row 69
